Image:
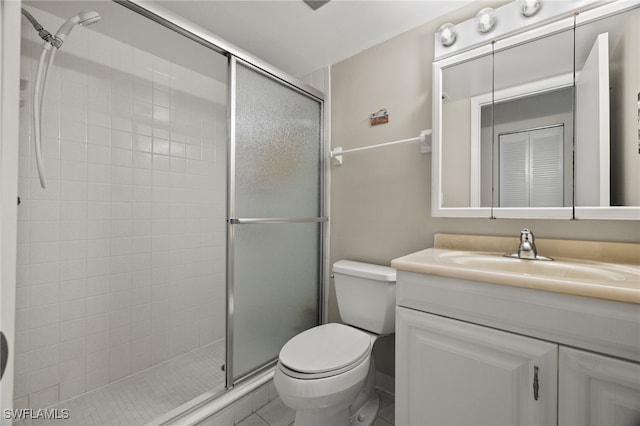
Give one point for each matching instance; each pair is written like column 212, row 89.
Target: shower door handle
column 255, row 220
column 4, row 353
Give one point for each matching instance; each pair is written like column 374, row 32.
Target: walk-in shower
column 84, row 18
column 178, row 242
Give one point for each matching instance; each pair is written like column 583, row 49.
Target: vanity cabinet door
column 597, row 390
column 449, row 372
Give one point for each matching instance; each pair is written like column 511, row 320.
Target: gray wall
column 381, row 199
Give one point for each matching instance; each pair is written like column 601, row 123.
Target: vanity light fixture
column 447, row 34
column 486, row 20
column 530, row 7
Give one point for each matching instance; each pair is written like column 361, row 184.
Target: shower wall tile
column 121, row 259
column 71, row 388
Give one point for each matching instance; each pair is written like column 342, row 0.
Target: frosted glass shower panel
column 275, row 218
column 276, row 289
column 277, row 148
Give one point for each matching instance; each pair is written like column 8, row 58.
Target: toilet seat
column 324, row 351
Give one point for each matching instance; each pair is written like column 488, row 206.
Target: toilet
column 327, row 374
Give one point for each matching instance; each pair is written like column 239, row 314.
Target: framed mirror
column 505, row 113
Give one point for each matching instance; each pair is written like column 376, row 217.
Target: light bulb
column 447, row 34
column 486, row 20
column 530, row 7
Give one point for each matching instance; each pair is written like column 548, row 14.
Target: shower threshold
column 149, row 394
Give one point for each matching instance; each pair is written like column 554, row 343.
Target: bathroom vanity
column 484, row 339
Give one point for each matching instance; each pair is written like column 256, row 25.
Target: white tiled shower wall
column 121, row 259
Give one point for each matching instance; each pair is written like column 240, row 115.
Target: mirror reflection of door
column 592, row 127
column 531, row 167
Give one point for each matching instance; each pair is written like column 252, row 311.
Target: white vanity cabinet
column 468, row 353
column 454, row 373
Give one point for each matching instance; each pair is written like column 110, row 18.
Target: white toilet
column 327, row 373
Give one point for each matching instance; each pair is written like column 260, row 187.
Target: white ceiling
column 287, row 34
column 291, row 36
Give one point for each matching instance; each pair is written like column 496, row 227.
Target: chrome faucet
column 527, row 248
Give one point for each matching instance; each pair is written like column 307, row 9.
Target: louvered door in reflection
column 531, row 168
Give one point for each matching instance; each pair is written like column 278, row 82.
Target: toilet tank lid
column 365, row 270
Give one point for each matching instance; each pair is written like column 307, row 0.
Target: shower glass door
column 275, row 217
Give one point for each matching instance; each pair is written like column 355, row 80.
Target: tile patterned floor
column 275, row 413
column 147, row 395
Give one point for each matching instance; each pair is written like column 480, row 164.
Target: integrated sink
column 560, row 268
column 604, row 270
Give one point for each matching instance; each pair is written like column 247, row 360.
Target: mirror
column 607, row 111
column 464, row 84
column 532, row 124
column 504, row 124
column 507, row 127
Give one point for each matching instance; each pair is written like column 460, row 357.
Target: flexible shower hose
column 39, row 91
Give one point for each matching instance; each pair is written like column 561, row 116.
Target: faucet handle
column 526, row 235
column 527, row 249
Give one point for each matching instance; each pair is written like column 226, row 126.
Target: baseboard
column 385, row 383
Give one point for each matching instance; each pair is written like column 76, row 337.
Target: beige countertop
column 585, row 268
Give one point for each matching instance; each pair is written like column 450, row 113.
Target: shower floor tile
column 147, row 395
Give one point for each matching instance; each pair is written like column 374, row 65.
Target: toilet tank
column 366, row 295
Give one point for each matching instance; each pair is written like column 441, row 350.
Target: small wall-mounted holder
column 424, row 139
column 336, row 154
column 379, row 117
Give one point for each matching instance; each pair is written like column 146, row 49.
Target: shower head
column 88, row 17
column 84, row 18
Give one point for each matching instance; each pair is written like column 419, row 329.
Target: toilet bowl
column 327, row 373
